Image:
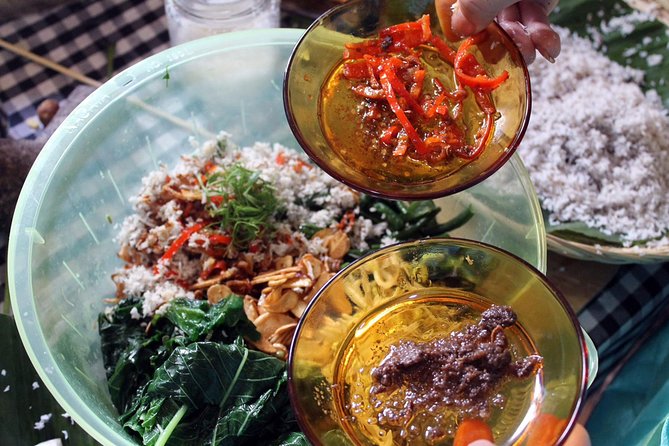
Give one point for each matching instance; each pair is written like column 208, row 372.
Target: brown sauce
column 461, row 371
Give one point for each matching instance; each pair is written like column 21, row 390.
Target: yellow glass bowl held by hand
column 356, row 359
column 382, row 101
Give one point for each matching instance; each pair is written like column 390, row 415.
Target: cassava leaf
column 292, row 439
column 233, row 396
column 210, row 373
column 197, row 318
column 253, row 419
column 127, row 350
column 131, row 353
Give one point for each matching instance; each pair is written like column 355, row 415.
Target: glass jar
column 192, row 19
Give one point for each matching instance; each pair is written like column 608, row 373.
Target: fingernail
column 461, row 26
column 549, row 53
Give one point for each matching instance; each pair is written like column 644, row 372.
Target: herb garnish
column 243, row 203
column 166, row 77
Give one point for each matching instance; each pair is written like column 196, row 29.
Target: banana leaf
column 22, row 392
column 630, row 48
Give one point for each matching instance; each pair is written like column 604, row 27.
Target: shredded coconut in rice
column 597, row 146
column 259, row 227
column 307, row 196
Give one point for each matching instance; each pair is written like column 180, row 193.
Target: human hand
column 578, row 437
column 526, row 21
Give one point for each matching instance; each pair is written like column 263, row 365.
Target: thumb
column 481, row 443
column 471, row 16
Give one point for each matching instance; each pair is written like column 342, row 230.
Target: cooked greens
column 188, row 378
column 211, row 393
column 407, row 220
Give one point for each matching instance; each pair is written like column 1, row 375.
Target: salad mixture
column 221, row 257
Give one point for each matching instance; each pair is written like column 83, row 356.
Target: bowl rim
column 556, row 293
column 19, row 254
column 405, row 193
column 607, row 254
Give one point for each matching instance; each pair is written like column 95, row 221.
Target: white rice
column 597, row 147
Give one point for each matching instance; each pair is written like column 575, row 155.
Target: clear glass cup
column 191, row 19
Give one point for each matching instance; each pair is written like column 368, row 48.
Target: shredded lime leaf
column 243, row 204
column 166, row 77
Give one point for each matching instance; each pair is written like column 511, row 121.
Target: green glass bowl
column 61, row 246
column 348, row 306
column 321, row 49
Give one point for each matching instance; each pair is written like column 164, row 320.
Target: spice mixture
column 460, row 371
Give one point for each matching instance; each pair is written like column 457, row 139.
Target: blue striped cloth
column 624, row 310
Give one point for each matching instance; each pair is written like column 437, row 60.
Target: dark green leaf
column 309, row 230
column 292, row 439
column 127, row 350
column 131, row 353
column 406, row 220
column 420, row 209
column 197, row 318
column 394, row 220
column 253, row 419
column 454, row 223
column 211, row 373
column 233, row 395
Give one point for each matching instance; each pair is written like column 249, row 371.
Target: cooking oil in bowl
column 432, row 391
column 363, row 134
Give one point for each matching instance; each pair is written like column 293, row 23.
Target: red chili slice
column 356, row 70
column 402, row 144
column 220, row 239
column 356, row 50
column 486, row 129
column 446, row 52
column 464, row 65
column 401, row 116
column 389, row 133
column 400, row 89
column 417, row 86
column 179, row 242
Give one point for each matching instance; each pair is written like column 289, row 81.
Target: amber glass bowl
column 321, row 49
column 326, row 394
